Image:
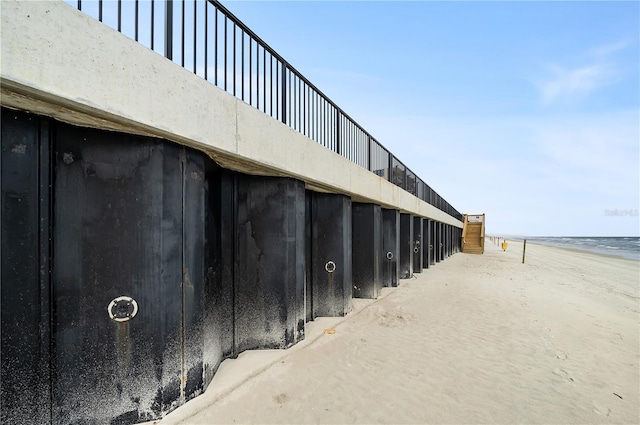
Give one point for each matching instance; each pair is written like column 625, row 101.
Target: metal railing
column 208, row 40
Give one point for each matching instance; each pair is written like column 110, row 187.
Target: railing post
column 338, row 120
column 168, row 29
column 369, row 155
column 284, row 93
column 404, row 183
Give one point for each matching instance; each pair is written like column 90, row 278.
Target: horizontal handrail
column 210, row 41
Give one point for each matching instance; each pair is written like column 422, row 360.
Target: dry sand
column 475, row 339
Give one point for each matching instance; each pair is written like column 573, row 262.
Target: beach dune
column 474, row 339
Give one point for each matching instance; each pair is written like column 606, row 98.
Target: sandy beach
column 475, row 339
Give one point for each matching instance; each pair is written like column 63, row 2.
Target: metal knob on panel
column 330, row 267
column 122, row 309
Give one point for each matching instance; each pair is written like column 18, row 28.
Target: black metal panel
column 390, row 247
column 454, row 241
column 426, row 243
column 439, row 242
column 24, row 224
column 194, row 210
column 331, row 250
column 417, row 244
column 308, row 258
column 445, row 241
column 432, row 242
column 219, row 250
column 118, row 231
column 269, row 262
column 367, row 250
column 406, row 246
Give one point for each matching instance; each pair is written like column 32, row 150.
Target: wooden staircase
column 473, row 234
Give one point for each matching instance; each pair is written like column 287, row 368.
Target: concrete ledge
column 59, row 62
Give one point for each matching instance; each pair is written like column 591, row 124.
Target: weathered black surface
column 445, row 241
column 452, row 240
column 118, row 230
column 417, row 244
column 390, row 246
column 214, row 259
column 24, row 268
column 195, row 192
column 219, row 253
column 431, row 242
column 331, row 293
column 146, row 219
column 308, row 259
column 406, row 246
column 367, row 250
column 426, row 243
column 447, row 246
column 439, row 242
column 269, row 262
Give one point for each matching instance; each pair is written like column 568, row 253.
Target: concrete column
column 330, row 292
column 367, row 250
column 417, row 244
column 269, row 262
column 406, row 246
column 390, row 246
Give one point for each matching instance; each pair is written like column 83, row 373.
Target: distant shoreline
column 621, row 252
column 588, row 251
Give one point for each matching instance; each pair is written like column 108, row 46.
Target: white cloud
column 611, row 48
column 571, row 85
column 532, row 175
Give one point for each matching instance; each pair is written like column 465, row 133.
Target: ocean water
column 625, row 247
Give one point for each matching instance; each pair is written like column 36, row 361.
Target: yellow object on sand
column 329, row 331
column 504, row 246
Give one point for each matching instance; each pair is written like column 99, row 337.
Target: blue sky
column 526, row 111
